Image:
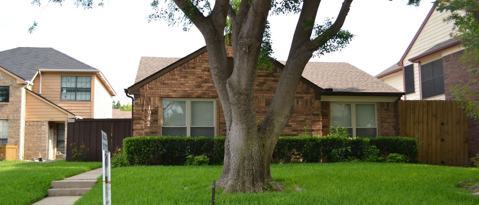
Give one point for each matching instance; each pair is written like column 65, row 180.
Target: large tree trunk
column 249, row 145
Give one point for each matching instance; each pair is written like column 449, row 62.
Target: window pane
column 68, row 93
column 202, row 114
column 203, row 131
column 174, row 131
column 365, row 116
column 83, row 94
column 68, row 82
column 3, row 131
column 61, row 139
column 340, row 115
column 174, row 113
column 366, row 132
column 83, row 82
column 4, row 93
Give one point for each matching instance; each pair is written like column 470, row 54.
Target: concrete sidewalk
column 69, row 190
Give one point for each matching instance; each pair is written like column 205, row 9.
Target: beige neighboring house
column 41, row 89
column 430, row 67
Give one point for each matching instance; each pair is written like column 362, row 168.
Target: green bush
column 395, row 157
column 119, row 159
column 372, row 154
column 175, row 150
column 401, row 145
column 197, row 160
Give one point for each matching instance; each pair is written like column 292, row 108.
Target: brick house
column 177, row 97
column 431, row 67
column 41, row 89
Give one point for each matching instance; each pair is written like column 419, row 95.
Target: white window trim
column 7, row 125
column 353, row 115
column 188, row 113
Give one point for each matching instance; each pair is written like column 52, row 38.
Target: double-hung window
column 188, row 117
column 4, row 93
column 3, row 131
column 358, row 118
column 76, row 88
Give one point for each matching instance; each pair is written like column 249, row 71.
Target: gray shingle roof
column 26, row 61
column 344, row 77
column 341, row 77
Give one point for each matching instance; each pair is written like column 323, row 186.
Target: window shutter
column 409, row 79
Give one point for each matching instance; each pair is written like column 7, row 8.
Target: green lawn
column 334, row 183
column 27, row 182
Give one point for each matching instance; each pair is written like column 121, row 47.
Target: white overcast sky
column 114, row 37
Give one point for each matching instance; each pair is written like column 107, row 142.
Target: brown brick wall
column 458, row 74
column 193, row 80
column 388, row 118
column 36, row 139
column 11, row 110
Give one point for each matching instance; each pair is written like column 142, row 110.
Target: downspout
column 132, row 107
column 40, row 86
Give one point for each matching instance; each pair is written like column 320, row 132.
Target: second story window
column 4, row 93
column 76, row 88
column 432, row 79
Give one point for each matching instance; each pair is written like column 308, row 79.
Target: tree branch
column 193, row 13
column 282, row 102
column 333, row 29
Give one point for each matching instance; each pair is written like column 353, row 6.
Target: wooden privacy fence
column 441, row 130
column 84, row 137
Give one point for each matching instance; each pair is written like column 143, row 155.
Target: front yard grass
column 333, row 183
column 27, row 182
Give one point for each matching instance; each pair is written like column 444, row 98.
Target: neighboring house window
column 188, row 117
column 432, row 79
column 358, row 118
column 60, row 138
column 3, row 131
column 409, row 79
column 4, row 93
column 76, row 88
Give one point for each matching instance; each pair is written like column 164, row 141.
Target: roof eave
column 416, row 59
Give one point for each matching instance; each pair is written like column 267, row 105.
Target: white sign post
column 106, row 169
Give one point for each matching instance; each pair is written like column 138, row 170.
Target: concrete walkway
column 69, row 190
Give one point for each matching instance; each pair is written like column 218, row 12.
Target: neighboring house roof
column 392, row 69
column 26, row 61
column 49, row 102
column 436, row 48
column 328, row 77
column 150, row 65
column 117, row 113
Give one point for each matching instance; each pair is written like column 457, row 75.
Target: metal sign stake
column 106, row 169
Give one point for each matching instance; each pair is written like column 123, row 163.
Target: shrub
column 339, row 132
column 119, row 159
column 372, row 154
column 79, row 153
column 178, row 150
column 197, row 160
column 401, row 145
column 395, row 157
